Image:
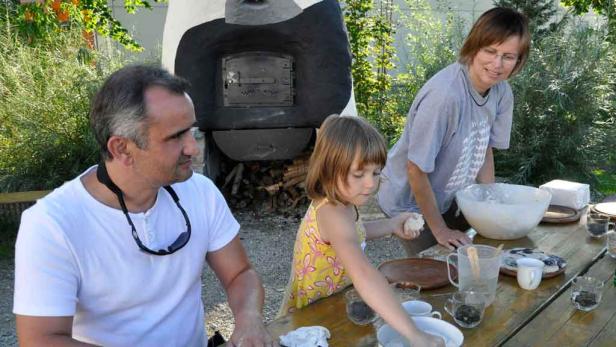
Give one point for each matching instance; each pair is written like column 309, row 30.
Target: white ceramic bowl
column 503, row 211
column 453, row 337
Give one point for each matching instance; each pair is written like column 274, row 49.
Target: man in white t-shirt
column 114, row 257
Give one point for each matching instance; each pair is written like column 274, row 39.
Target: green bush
column 432, row 43
column 45, row 89
column 564, row 108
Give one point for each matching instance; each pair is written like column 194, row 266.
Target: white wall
column 146, row 27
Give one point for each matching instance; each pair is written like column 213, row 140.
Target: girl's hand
column 408, row 225
column 427, row 340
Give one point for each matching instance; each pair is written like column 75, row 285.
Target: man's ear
column 119, row 147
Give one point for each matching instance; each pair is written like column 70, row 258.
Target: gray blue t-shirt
column 447, row 132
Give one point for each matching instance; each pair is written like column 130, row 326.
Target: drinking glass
column 597, row 224
column 586, row 292
column 467, row 307
column 357, row 310
column 610, row 243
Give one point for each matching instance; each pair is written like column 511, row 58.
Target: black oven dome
column 305, row 61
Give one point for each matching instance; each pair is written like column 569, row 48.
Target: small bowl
column 503, row 211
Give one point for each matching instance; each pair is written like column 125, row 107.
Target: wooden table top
column 560, row 324
column 513, row 308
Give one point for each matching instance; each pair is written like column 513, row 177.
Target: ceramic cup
column 530, row 272
column 418, row 308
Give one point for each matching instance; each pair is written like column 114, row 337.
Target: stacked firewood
column 274, row 185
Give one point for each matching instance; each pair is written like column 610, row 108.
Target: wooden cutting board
column 561, row 214
column 426, row 272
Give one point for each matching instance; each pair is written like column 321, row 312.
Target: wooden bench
column 13, row 204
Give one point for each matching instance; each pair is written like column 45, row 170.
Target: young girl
column 328, row 254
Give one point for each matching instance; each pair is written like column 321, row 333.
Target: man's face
column 167, row 157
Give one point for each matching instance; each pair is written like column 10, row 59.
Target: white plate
column 453, row 337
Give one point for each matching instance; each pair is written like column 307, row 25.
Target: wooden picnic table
column 511, row 311
column 560, row 324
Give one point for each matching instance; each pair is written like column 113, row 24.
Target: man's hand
column 451, row 238
column 250, row 332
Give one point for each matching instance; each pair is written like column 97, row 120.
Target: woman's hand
column 408, row 225
column 451, row 238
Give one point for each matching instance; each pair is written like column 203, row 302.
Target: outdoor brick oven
column 264, row 73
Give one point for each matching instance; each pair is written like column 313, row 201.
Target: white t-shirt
column 448, row 130
column 75, row 256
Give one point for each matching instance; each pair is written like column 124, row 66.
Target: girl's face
column 494, row 63
column 360, row 183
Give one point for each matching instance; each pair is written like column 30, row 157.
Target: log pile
column 275, row 186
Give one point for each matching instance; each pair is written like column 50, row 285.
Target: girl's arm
column 336, row 225
column 395, row 225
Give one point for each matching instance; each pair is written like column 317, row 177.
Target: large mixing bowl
column 503, row 211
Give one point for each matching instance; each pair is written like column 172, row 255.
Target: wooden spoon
column 474, row 259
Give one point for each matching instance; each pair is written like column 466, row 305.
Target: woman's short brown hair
column 496, row 26
column 340, row 140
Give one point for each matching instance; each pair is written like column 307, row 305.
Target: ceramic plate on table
column 561, row 214
column 607, row 208
column 554, row 265
column 453, row 337
column 426, row 272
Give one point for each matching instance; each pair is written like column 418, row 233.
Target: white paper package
column 569, row 194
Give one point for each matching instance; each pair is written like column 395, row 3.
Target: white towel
column 315, row 336
column 568, row 194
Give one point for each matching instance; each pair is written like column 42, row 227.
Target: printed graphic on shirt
column 471, row 157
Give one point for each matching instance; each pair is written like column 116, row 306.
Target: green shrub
column 432, row 43
column 564, row 108
column 45, row 90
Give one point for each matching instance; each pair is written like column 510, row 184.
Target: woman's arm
column 336, row 224
column 486, row 173
column 422, row 190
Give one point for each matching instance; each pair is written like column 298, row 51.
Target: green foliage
column 540, row 13
column 45, row 90
column 564, row 108
column 371, row 33
column 607, row 181
column 432, row 44
column 605, row 8
column 39, row 20
column 8, row 233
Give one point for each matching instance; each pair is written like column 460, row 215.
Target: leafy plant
column 371, row 31
column 381, row 97
column 564, row 108
column 38, row 20
column 45, row 90
column 540, row 14
column 605, row 8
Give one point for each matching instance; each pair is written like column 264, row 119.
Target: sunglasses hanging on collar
column 103, row 177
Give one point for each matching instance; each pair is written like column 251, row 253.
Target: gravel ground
column 268, row 240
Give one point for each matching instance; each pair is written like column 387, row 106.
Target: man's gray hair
column 119, row 106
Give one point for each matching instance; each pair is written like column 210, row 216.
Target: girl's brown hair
column 496, row 26
column 340, row 140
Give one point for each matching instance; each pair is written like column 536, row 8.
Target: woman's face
column 494, row 63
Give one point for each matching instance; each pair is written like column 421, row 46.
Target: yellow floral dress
column 316, row 271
